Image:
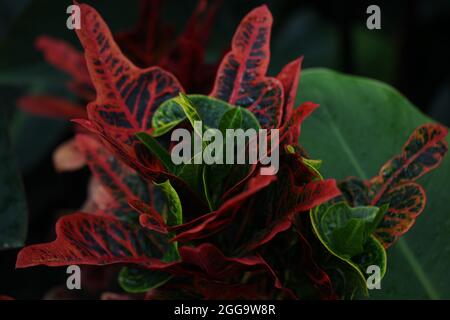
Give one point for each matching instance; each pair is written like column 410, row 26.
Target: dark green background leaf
column 359, row 125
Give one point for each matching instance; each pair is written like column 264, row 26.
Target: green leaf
column 174, row 215
column 135, row 280
column 13, row 208
column 190, row 111
column 166, row 117
column 232, row 119
column 191, row 174
column 347, row 280
column 314, row 165
column 346, row 233
column 346, row 229
column 359, row 125
column 166, row 127
column 218, row 178
column 210, row 110
column 156, row 149
column 215, row 114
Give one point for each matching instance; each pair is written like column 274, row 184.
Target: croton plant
column 149, row 43
column 220, row 231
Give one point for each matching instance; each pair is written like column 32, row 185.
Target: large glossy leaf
column 13, row 209
column 359, row 125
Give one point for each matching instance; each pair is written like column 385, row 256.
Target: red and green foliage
column 219, row 231
column 395, row 184
column 149, row 43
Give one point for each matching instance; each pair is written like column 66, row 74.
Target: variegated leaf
column 241, row 79
column 422, row 153
column 97, row 240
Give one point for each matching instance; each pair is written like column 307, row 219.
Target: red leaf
column 355, row 191
column 52, row 107
column 135, row 154
column 307, row 197
column 97, row 240
column 151, row 43
column 267, row 234
column 213, row 222
column 126, row 95
column 140, row 43
column 241, row 79
column 200, row 22
column 216, row 266
column 122, row 182
column 210, row 270
column 289, row 78
column 314, row 193
column 149, row 218
column 64, row 57
column 422, row 153
column 139, row 158
column 320, row 279
column 406, row 202
column 290, row 132
column 186, row 59
column 240, row 184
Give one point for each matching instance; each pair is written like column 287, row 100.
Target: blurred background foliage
column 410, row 52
